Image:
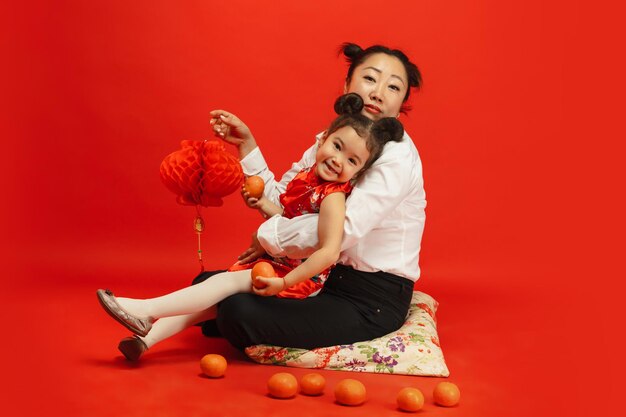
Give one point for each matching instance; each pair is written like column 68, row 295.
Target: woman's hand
column 274, row 286
column 228, row 127
column 254, row 252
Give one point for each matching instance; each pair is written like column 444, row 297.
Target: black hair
column 376, row 133
column 387, row 129
column 355, row 55
column 349, row 107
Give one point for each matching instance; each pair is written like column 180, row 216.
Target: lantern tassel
column 198, row 226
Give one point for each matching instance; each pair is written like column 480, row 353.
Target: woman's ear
column 345, row 88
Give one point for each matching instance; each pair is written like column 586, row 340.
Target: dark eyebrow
column 393, row 75
column 374, row 68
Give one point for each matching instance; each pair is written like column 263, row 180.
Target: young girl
column 307, row 191
column 350, row 145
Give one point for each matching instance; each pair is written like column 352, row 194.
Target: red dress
column 304, row 194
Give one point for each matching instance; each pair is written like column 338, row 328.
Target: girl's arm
column 330, row 232
column 254, row 164
column 232, row 130
column 265, row 206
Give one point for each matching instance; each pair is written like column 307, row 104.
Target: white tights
column 184, row 308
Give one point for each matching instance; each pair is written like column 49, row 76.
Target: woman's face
column 382, row 83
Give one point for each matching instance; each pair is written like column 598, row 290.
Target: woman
column 368, row 292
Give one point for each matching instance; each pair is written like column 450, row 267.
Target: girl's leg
column 188, row 300
column 169, row 326
column 134, row 347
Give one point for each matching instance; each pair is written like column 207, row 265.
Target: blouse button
column 378, row 310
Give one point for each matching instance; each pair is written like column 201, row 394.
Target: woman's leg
column 353, row 306
column 246, row 320
column 194, row 299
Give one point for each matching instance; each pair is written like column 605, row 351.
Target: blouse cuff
column 254, row 162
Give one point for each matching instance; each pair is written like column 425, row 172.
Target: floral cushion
column 411, row 350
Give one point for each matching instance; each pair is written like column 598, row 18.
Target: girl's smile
column 341, row 155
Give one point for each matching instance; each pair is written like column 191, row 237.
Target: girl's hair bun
column 350, row 103
column 350, row 50
column 388, row 129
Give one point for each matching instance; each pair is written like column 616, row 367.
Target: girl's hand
column 252, row 202
column 274, row 286
column 229, row 128
column 261, row 204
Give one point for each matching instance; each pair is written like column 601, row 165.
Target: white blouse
column 384, row 213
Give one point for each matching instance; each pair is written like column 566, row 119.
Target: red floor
column 506, row 352
column 517, row 125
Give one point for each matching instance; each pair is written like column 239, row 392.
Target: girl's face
column 341, row 155
column 382, row 83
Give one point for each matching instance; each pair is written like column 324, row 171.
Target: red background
column 515, row 127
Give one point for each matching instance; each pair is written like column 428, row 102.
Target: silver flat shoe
column 132, row 348
column 139, row 326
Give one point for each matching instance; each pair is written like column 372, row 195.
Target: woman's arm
column 374, row 197
column 330, row 232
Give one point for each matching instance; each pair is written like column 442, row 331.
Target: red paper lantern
column 201, row 173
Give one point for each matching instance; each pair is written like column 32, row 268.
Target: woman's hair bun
column 350, row 103
column 350, row 50
column 388, row 129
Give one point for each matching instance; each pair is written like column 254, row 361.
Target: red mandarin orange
column 446, row 394
column 350, row 392
column 254, row 186
column 282, row 385
column 213, row 365
column 263, row 269
column 410, row 399
column 312, row 384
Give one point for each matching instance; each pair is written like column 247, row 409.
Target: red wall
column 517, row 126
column 98, row 93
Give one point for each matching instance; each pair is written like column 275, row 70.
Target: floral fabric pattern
column 305, row 192
column 414, row 349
